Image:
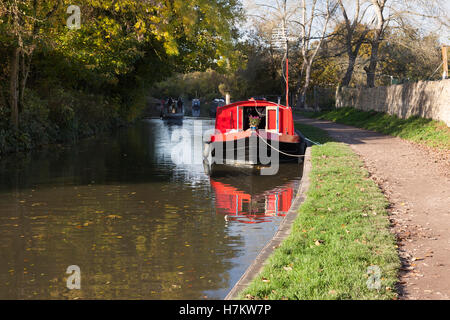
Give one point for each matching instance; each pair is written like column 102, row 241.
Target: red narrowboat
column 244, row 128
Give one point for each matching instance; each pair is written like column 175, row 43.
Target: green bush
column 61, row 115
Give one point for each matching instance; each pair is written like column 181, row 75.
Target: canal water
column 138, row 224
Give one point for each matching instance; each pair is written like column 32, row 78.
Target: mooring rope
column 313, row 142
column 287, row 154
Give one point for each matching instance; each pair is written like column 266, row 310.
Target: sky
column 426, row 25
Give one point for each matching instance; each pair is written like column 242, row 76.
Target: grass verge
column 341, row 230
column 428, row 132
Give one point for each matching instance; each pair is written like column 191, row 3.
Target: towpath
column 416, row 182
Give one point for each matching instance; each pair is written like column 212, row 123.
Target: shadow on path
column 340, row 132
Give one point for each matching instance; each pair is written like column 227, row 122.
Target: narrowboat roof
column 253, row 103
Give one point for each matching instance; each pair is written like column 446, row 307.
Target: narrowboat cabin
column 248, row 131
column 173, row 110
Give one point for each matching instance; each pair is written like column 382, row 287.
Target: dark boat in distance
column 243, row 127
column 196, row 109
column 173, row 110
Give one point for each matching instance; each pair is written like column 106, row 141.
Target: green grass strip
column 341, row 230
column 428, row 132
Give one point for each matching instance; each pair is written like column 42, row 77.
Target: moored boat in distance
column 196, row 108
column 173, row 110
column 251, row 132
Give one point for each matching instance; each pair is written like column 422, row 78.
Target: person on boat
column 161, row 109
column 180, row 105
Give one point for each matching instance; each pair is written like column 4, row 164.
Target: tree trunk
column 301, row 101
column 26, row 65
column 349, row 73
column 371, row 69
column 14, row 87
column 299, row 86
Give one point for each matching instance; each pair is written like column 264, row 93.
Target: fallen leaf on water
column 38, row 204
column 114, row 216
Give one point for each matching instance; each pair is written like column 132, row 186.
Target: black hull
column 173, row 116
column 241, row 152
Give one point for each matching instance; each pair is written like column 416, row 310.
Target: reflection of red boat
column 244, row 207
column 235, row 132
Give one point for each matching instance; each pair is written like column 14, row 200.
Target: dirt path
column 418, row 188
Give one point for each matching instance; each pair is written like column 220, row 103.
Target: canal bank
column 340, row 246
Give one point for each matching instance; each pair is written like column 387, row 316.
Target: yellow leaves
column 140, row 26
column 113, row 216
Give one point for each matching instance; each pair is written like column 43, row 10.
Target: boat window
column 255, row 112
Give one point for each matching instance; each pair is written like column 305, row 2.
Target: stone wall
column 427, row 99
